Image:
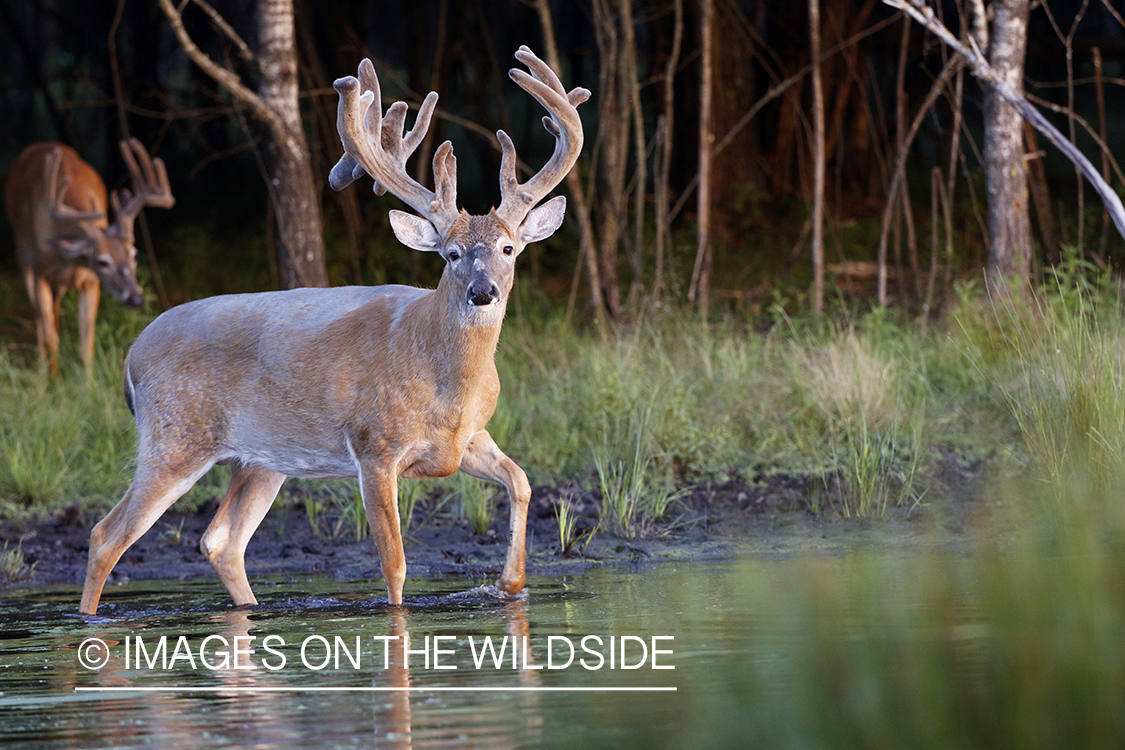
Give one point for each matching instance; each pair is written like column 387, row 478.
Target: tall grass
column 858, row 403
column 64, row 439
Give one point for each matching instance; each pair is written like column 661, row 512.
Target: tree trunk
column 818, row 159
column 1041, row 198
column 701, row 275
column 578, row 208
column 1009, row 227
column 613, row 143
column 301, row 246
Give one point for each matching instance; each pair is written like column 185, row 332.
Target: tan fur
column 103, row 254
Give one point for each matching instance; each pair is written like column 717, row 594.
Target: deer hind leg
column 249, row 498
column 379, row 488
column 89, row 294
column 484, row 460
column 155, row 487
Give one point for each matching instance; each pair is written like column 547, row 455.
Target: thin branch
column 1102, row 145
column 818, row 160
column 986, row 75
column 228, row 78
column 226, row 29
column 897, row 177
column 774, row 92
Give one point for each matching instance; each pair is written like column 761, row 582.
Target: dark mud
column 772, row 515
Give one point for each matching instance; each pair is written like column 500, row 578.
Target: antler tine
column 563, row 123
column 381, row 150
column 541, row 70
column 445, row 175
column 56, row 191
column 150, row 182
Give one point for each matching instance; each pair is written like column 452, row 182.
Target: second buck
column 57, row 204
column 370, row 382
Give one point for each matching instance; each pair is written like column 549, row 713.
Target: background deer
column 56, row 204
column 370, row 382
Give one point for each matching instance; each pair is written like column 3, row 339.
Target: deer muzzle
column 483, row 292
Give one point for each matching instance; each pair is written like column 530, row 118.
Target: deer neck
column 460, row 347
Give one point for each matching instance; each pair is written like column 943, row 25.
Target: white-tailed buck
column 370, row 382
column 57, row 204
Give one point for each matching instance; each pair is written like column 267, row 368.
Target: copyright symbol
column 93, row 653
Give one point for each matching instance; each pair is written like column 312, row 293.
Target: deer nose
column 483, row 292
column 135, row 300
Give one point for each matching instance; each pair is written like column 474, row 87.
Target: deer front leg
column 89, row 294
column 484, row 460
column 46, row 328
column 379, row 488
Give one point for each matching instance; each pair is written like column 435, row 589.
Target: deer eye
column 508, row 249
column 103, row 261
column 453, row 255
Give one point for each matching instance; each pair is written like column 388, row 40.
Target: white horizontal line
column 369, row 689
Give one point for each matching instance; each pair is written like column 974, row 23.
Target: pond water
column 863, row 649
column 283, row 697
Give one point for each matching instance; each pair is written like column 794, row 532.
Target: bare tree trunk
column 1010, row 252
column 818, row 159
column 1041, row 197
column 290, row 181
column 301, row 262
column 907, row 213
column 664, row 130
column 325, row 142
column 701, row 275
column 664, row 133
column 612, row 142
column 629, row 83
column 580, row 210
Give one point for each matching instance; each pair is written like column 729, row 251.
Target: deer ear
column 542, row 222
column 415, row 232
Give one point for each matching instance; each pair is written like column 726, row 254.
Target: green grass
column 474, row 500
column 858, row 404
column 13, row 567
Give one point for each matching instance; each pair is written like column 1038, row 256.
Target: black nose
column 135, row 300
column 483, row 292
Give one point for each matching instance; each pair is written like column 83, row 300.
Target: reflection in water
column 229, row 706
column 392, row 717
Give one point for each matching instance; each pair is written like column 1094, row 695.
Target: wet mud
column 778, row 514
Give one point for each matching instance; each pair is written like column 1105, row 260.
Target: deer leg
column 379, row 488
column 152, row 492
column 32, row 287
column 89, row 294
column 484, row 460
column 46, row 328
column 249, row 498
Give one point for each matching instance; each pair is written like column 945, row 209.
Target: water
column 1013, row 647
column 41, row 679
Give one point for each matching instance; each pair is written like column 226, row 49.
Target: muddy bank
column 769, row 516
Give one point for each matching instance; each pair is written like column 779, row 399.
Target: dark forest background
column 57, row 83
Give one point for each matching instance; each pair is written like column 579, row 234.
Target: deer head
column 85, row 237
column 479, row 251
